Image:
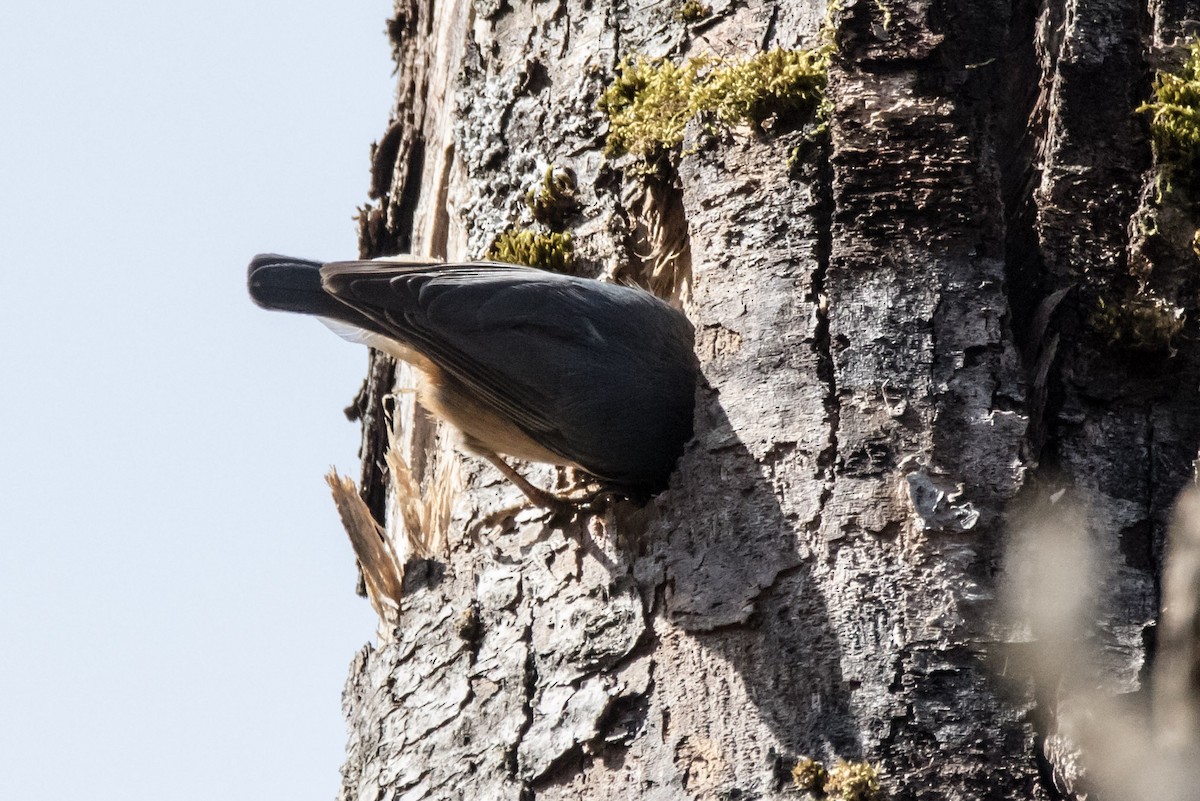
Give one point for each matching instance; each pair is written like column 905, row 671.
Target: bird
column 525, row 363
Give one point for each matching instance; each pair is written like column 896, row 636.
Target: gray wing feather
column 553, row 353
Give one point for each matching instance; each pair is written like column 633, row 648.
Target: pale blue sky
column 176, row 595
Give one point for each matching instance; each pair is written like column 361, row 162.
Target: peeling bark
column 896, row 342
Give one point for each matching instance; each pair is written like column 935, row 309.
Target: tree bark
column 898, row 344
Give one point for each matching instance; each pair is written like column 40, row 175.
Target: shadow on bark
column 736, row 581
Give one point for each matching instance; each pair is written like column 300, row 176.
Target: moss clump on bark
column 1175, row 122
column 1144, row 322
column 651, row 100
column 852, row 781
column 845, row 781
column 885, row 14
column 550, row 251
column 767, row 83
column 808, row 775
column 553, row 200
column 692, row 11
column 647, row 104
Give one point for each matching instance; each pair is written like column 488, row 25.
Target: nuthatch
column 527, row 363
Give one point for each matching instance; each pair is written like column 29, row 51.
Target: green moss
column 550, row 251
column 831, row 24
column 651, row 100
column 553, row 199
column 692, row 11
column 808, row 775
column 1175, row 121
column 885, row 13
column 767, row 83
column 469, row 626
column 647, row 104
column 1144, row 322
column 853, row 781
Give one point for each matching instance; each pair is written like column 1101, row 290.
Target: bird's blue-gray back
column 535, row 346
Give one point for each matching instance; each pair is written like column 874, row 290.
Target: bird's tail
column 287, row 284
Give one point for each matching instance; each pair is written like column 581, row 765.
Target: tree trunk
column 898, row 333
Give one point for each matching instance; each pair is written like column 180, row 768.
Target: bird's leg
column 539, row 496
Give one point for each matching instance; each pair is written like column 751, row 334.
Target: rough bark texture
column 890, row 360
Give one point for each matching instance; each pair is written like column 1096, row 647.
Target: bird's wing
column 508, row 334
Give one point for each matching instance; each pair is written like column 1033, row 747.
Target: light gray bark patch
column 564, row 717
column 581, row 633
column 534, row 77
column 734, row 529
column 939, row 508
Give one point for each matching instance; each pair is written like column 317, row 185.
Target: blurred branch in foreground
column 1104, row 747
